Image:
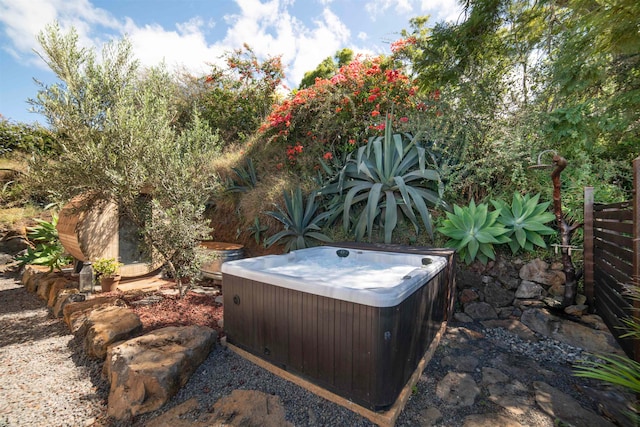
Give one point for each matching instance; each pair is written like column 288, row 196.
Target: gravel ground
column 45, row 381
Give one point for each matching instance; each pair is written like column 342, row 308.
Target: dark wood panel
column 604, row 275
column 311, row 334
column 621, row 205
column 612, row 291
column 620, row 275
column 606, row 308
column 620, row 227
column 296, row 331
column 618, row 251
column 618, row 214
column 618, row 239
column 326, row 339
column 625, row 266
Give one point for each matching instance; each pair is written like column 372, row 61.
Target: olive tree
column 115, row 121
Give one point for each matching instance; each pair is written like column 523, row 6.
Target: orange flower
column 375, row 113
column 327, row 156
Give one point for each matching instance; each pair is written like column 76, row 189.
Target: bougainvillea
column 336, row 115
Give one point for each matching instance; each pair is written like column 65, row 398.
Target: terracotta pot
column 109, row 284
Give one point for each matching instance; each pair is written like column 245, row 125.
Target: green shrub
column 302, row 225
column 386, row 182
column 49, row 250
column 525, row 220
column 473, row 230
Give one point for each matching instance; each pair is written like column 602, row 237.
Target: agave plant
column 525, row 220
column 301, row 224
column 387, row 180
column 473, row 230
column 48, row 251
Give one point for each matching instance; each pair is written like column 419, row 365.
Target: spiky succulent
column 386, row 181
column 473, row 230
column 525, row 220
column 301, row 223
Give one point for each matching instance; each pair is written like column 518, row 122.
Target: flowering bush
column 337, row 115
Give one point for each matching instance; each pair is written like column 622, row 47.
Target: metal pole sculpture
column 566, row 230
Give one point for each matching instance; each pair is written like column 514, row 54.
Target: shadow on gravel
column 32, row 326
column 18, row 299
column 93, row 368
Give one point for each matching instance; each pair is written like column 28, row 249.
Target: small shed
column 90, row 228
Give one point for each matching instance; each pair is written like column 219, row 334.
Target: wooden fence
column 612, row 260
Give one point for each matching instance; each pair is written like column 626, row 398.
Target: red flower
column 352, row 141
column 404, row 119
column 327, row 156
column 375, row 113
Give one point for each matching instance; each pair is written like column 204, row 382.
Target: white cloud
column 362, row 36
column 400, row 7
column 267, row 26
column 441, row 10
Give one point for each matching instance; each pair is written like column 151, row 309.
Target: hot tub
column 354, row 321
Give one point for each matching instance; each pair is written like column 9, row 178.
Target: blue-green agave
column 525, row 220
column 301, row 223
column 386, row 181
column 473, row 230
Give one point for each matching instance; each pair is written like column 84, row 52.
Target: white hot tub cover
column 373, row 278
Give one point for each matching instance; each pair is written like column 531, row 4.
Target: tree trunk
column 566, row 231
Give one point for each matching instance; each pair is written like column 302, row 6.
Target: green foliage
column 525, row 220
column 25, row 138
column 49, row 250
column 256, row 229
column 246, row 178
column 473, row 231
column 386, row 182
column 327, row 68
column 234, row 98
column 336, row 116
column 119, row 140
column 618, row 370
column 301, row 222
column 106, row 267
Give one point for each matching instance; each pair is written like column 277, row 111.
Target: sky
column 191, row 34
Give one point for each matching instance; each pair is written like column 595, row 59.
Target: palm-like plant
column 301, row 224
column 473, row 230
column 386, row 180
column 525, row 220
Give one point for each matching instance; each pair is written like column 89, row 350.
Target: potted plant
column 106, row 270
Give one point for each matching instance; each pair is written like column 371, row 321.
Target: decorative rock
column 538, row 271
column 468, row 279
column 563, row 407
column 557, row 266
column 576, row 310
column 457, row 389
column 556, row 290
column 569, row 332
column 497, row 296
column 105, row 326
column 468, row 295
column 56, row 287
column 480, row 310
column 513, row 326
column 461, row 317
column 581, row 299
column 44, row 284
column 219, row 299
column 249, row 408
column 493, row 376
column 489, row 420
column 65, row 297
column 430, row 416
column 145, row 372
column 462, row 363
column 515, row 404
column 78, row 307
column 529, row 290
column 28, row 274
